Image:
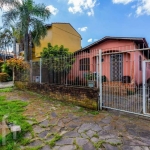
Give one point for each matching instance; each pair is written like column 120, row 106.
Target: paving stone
column 134, row 143
column 107, row 120
column 81, row 141
column 101, row 124
column 55, row 129
column 72, row 125
column 30, row 122
column 96, row 128
column 67, row 147
column 45, row 123
column 114, row 141
column 53, row 114
column 131, row 148
column 110, row 147
column 120, row 127
column 84, row 127
column 144, row 134
column 53, row 121
column 94, row 139
column 66, row 120
column 90, row 133
column 78, row 120
column 133, row 132
column 145, row 148
column 63, row 132
column 37, row 129
column 60, row 123
column 71, row 116
column 109, row 127
column 130, row 126
column 35, row 143
column 28, row 135
column 88, row 146
column 72, row 134
column 56, row 147
column 49, row 138
column 145, row 140
column 43, row 134
column 46, row 147
column 106, row 135
column 65, row 141
column 84, row 135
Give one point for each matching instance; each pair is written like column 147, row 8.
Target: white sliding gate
column 124, row 81
column 146, row 88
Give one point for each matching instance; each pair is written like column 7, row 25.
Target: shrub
column 126, row 79
column 6, row 69
column 17, row 63
column 4, row 77
column 104, row 79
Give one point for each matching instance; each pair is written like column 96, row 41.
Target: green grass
column 94, row 112
column 6, row 90
column 81, row 109
column 99, row 144
column 96, row 135
column 34, row 148
column 77, row 146
column 54, row 139
column 14, row 110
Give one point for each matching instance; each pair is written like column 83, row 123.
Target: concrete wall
column 86, row 97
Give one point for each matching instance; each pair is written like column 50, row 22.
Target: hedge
column 3, row 77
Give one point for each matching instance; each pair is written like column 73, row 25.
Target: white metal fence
column 125, row 88
column 72, row 70
column 123, row 81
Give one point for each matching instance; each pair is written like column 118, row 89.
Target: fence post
column 100, row 79
column 97, row 73
column 40, row 70
column 144, row 88
column 31, row 68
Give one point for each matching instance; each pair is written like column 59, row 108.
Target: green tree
column 9, row 37
column 9, row 3
column 6, row 41
column 28, row 17
column 58, row 60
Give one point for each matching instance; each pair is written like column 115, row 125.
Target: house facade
column 121, row 58
column 59, row 34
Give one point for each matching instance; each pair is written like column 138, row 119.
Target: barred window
column 85, row 64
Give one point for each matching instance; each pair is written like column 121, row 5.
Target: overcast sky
column 94, row 19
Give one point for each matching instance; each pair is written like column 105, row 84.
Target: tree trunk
column 30, row 46
column 14, row 46
column 13, row 75
column 26, row 46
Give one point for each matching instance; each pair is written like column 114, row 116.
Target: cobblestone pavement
column 60, row 126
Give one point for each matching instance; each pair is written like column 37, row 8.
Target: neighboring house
column 115, row 66
column 5, row 55
column 59, row 34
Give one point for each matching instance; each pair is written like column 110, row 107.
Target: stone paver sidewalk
column 6, row 84
column 78, row 129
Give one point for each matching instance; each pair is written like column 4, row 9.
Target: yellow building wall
column 44, row 42
column 60, row 34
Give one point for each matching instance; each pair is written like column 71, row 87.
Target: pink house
column 121, row 58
